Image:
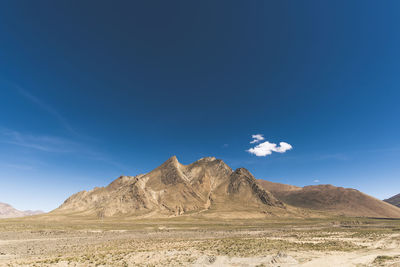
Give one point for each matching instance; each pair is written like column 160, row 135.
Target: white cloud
column 266, row 148
column 316, row 181
column 257, row 138
column 283, row 147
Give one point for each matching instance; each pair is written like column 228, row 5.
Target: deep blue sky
column 91, row 90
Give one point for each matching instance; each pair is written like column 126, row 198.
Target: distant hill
column 395, row 200
column 7, row 211
column 330, row 198
column 205, row 186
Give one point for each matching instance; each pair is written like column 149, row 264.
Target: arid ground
column 337, row 241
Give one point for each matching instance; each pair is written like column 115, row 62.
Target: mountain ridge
column 172, row 188
column 394, row 200
column 8, row 211
column 338, row 200
column 209, row 186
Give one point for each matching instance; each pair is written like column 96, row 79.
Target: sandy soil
column 317, row 242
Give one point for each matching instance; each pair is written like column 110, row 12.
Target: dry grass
column 184, row 241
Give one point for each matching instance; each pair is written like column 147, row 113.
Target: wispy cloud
column 43, row 143
column 335, row 156
column 256, row 138
column 316, row 181
column 47, row 108
column 266, row 148
column 52, row 144
column 17, row 166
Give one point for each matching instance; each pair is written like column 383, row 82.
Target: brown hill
column 395, row 200
column 330, row 198
column 206, row 185
column 7, row 211
column 277, row 187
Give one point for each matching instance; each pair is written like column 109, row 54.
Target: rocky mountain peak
column 173, row 188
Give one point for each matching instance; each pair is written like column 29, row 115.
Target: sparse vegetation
column 384, row 259
column 184, row 241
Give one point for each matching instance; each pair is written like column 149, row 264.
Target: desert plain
column 199, row 241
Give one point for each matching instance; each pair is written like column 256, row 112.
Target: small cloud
column 283, row 147
column 257, row 138
column 316, row 181
column 225, row 145
column 266, row 148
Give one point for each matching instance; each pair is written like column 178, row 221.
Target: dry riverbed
column 180, row 241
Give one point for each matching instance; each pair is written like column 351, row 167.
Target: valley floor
column 197, row 242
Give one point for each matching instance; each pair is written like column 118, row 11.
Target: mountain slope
column 395, row 200
column 277, row 187
column 7, row 211
column 175, row 189
column 338, row 200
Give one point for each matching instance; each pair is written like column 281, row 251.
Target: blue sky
column 91, row 90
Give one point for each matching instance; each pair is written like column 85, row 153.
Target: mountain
column 205, row 186
column 7, row 211
column 330, row 198
column 395, row 200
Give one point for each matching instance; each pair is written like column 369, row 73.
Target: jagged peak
column 171, row 162
column 243, row 171
column 211, row 161
column 207, row 159
column 173, row 158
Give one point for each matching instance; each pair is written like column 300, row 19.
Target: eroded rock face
column 173, row 188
